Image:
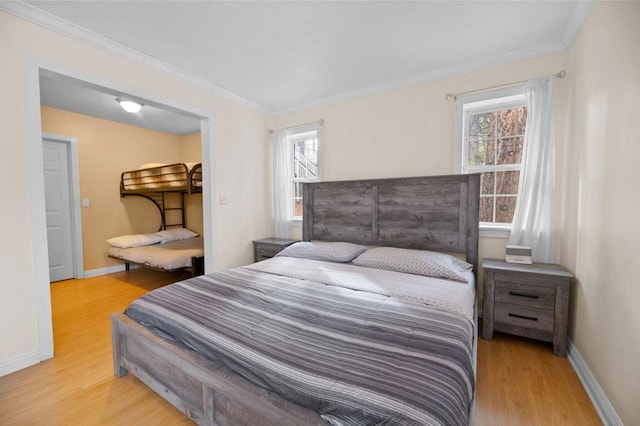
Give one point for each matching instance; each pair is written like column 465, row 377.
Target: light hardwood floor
column 520, row 382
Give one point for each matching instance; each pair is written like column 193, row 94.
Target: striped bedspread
column 357, row 357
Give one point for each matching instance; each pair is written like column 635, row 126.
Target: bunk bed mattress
column 161, row 176
column 357, row 345
column 168, row 256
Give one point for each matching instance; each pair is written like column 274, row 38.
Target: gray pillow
column 417, row 262
column 327, row 252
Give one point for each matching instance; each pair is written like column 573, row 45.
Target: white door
column 58, row 206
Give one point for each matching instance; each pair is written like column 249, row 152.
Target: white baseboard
column 600, row 401
column 18, row 363
column 107, row 270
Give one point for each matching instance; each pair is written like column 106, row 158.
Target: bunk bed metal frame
column 157, row 184
column 163, row 180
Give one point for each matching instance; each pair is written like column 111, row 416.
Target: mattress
column 357, row 345
column 168, row 256
column 170, row 176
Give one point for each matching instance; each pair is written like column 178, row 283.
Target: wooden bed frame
column 436, row 213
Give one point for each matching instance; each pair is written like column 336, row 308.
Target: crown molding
column 447, row 71
column 54, row 23
column 241, row 100
column 576, row 21
column 38, row 16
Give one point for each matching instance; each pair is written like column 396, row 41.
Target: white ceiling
column 69, row 94
column 287, row 56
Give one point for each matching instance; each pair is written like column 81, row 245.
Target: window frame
column 491, row 100
column 292, row 136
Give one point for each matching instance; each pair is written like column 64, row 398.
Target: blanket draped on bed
column 355, row 357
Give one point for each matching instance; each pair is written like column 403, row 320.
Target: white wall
column 401, row 133
column 239, row 170
column 410, row 132
column 602, row 201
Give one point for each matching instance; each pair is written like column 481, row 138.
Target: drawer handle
column 530, row 296
column 523, row 317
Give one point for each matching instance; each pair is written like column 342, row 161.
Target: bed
column 259, row 315
column 155, row 177
column 168, row 250
column 165, row 185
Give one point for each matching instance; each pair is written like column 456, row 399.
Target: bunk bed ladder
column 180, row 209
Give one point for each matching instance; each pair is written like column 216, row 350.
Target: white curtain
column 282, row 172
column 533, row 218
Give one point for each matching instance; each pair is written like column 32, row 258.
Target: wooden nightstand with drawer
column 269, row 247
column 527, row 300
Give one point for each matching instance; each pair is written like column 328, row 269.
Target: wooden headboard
column 438, row 213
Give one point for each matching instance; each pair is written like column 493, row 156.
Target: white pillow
column 134, row 240
column 417, row 262
column 327, row 252
column 175, row 234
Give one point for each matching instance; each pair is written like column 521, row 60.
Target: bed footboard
column 206, row 391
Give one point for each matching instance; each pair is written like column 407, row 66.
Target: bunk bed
column 160, row 182
column 166, row 186
column 315, row 312
column 156, row 177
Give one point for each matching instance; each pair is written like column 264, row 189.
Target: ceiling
column 74, row 95
column 287, row 56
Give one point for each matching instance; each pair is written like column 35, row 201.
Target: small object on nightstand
column 518, row 254
column 269, row 247
column 527, row 300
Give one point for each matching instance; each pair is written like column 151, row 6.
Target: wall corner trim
column 597, row 396
column 19, row 362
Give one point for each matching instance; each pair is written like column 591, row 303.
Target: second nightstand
column 527, row 300
column 269, row 247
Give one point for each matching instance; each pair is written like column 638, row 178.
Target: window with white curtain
column 490, row 129
column 304, row 160
column 295, row 161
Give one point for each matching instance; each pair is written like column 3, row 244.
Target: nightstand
column 269, row 247
column 527, row 300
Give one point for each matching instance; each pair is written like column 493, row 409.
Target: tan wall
column 191, row 148
column 410, row 132
column 602, row 231
column 192, row 153
column 106, row 149
column 240, row 169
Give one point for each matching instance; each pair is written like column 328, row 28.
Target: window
column 304, row 159
column 492, row 141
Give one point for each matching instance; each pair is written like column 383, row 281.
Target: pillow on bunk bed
column 134, row 240
column 175, row 234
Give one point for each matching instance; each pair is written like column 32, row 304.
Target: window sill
column 488, row 231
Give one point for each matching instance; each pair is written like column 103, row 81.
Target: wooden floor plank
column 520, row 382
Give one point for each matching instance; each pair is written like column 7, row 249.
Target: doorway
column 32, row 67
column 64, row 229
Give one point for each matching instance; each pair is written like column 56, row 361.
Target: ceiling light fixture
column 129, row 105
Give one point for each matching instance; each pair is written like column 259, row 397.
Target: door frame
column 31, row 66
column 74, row 199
